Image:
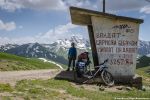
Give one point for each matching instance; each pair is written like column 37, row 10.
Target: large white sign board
column 116, row 40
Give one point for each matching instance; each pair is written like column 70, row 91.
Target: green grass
column 9, row 62
column 144, row 72
column 5, row 88
column 61, row 89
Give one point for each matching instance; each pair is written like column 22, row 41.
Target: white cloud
column 142, row 16
column 90, row 4
column 12, row 5
column 113, row 5
column 9, row 26
column 145, row 9
column 4, row 40
column 9, row 5
column 22, row 40
column 43, row 4
column 118, row 5
column 59, row 32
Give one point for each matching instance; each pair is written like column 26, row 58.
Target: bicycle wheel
column 107, row 78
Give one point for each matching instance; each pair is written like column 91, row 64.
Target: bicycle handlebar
column 105, row 61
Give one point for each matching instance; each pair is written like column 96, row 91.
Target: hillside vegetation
column 9, row 62
column 144, row 72
column 143, row 61
column 63, row 90
column 52, row 89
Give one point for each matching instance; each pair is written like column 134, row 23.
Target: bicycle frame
column 101, row 68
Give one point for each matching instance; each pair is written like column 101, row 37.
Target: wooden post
column 93, row 45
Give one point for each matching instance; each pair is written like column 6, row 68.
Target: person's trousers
column 71, row 61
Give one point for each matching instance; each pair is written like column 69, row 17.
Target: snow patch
column 148, row 55
column 45, row 60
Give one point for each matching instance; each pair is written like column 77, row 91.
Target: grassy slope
column 145, row 73
column 9, row 62
column 61, row 90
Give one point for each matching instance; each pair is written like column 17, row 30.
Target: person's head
column 73, row 44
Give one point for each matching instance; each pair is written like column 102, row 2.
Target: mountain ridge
column 57, row 51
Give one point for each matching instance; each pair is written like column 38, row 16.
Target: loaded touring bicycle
column 83, row 70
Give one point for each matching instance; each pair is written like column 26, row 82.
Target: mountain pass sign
column 112, row 37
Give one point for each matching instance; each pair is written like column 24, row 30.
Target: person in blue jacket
column 72, row 55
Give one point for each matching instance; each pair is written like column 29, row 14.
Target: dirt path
column 13, row 76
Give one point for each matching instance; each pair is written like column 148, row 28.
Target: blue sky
column 45, row 21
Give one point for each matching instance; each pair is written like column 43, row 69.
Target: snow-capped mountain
column 35, row 50
column 7, row 47
column 80, row 42
column 57, row 51
column 61, row 46
column 144, row 48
